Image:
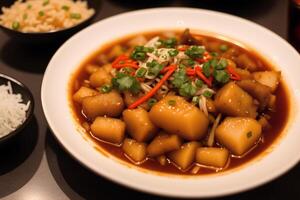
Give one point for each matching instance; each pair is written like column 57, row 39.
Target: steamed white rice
column 12, row 110
column 44, row 15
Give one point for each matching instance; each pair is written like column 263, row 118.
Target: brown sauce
column 278, row 119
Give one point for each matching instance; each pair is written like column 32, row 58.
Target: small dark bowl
column 58, row 36
column 18, row 88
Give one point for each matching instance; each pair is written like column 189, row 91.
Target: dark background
column 36, row 167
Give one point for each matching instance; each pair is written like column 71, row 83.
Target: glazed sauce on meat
column 278, row 119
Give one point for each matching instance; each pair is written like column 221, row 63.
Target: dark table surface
column 37, row 167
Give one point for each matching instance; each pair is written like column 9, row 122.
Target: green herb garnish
column 151, row 102
column 25, row 16
column 222, row 64
column 15, row 25
column 41, row 13
column 179, row 78
column 75, row 15
column 221, row 76
column 46, row 2
column 154, row 68
column 173, row 52
column 214, row 54
column 213, row 62
column 140, row 52
column 195, row 52
column 169, row 43
column 65, row 7
column 223, row 47
column 198, row 83
column 206, row 69
column 207, row 94
column 140, row 73
column 249, row 134
column 124, row 82
column 106, row 88
column 188, row 62
column 172, row 102
column 187, row 90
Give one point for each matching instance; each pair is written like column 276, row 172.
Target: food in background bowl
column 44, row 15
column 12, row 110
column 179, row 102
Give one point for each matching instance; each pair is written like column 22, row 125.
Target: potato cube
column 182, row 118
column 84, row 92
column 134, row 150
column 212, row 156
column 238, row 134
column 257, row 90
column 243, row 73
column 108, row 129
column 99, row 78
column 234, row 101
column 268, row 78
column 245, row 62
column 163, row 143
column 139, row 40
column 116, row 51
column 138, row 124
column 108, row 104
column 91, row 68
column 184, row 156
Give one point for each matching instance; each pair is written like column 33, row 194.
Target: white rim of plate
column 205, row 186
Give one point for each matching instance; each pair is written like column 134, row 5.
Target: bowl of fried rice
column 39, row 21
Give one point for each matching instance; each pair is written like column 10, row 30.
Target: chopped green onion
column 179, row 78
column 29, row 6
column 188, row 62
column 223, row 47
column 249, row 134
column 214, row 54
column 207, row 94
column 154, row 68
column 222, row 64
column 151, row 102
column 15, row 25
column 106, row 88
column 206, row 69
column 172, row 102
column 198, row 83
column 187, row 90
column 214, row 63
column 75, row 15
column 124, row 82
column 140, row 73
column 173, row 52
column 195, row 52
column 65, row 7
column 195, row 100
column 221, row 76
column 139, row 56
column 169, row 43
column 25, row 15
column 41, row 13
column 126, row 70
column 140, row 52
column 46, row 2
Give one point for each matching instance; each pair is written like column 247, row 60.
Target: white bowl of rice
column 16, row 107
column 45, row 20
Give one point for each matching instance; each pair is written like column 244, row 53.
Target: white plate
column 79, row 47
